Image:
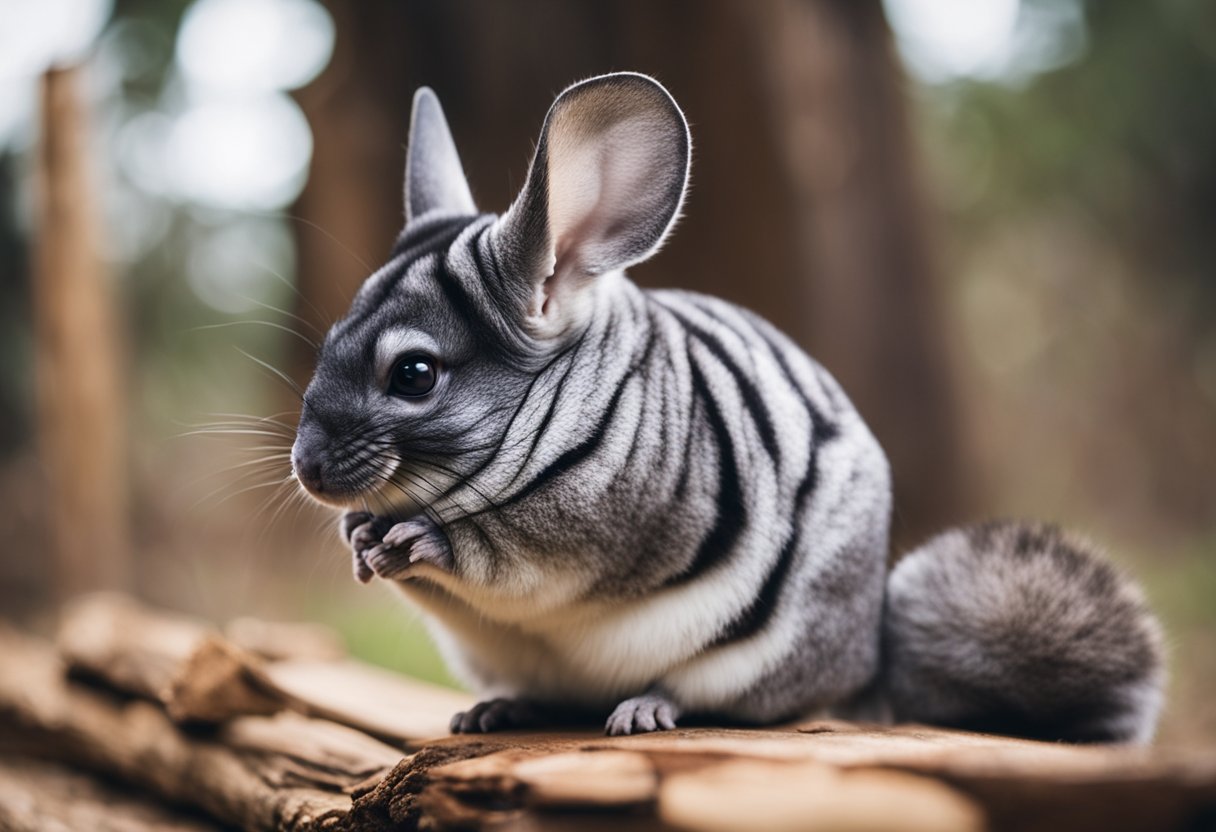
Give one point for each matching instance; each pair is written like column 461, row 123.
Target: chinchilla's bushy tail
column 1017, row 628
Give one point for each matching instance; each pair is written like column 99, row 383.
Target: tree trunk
column 81, row 407
column 872, row 313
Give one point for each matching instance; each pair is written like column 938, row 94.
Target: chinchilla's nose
column 307, row 459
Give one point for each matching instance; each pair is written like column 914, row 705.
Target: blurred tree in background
column 1006, row 255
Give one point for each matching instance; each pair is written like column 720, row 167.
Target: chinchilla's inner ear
column 434, row 179
column 603, row 191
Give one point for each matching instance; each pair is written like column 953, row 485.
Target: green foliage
column 1127, row 131
column 387, row 634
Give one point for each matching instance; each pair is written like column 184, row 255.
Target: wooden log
column 81, row 402
column 198, row 676
column 294, row 772
column 855, row 776
column 182, row 663
column 284, row 772
column 36, row 796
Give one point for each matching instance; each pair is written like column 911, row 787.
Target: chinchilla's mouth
column 369, row 486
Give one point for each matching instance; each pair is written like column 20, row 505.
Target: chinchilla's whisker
column 272, row 324
column 280, row 431
column 238, row 472
column 281, row 501
column 230, row 495
column 266, row 419
column 403, row 488
column 295, row 498
column 267, row 461
column 272, row 308
column 406, row 490
column 406, row 470
column 268, row 427
column 462, row 480
column 271, row 420
column 429, row 506
column 279, row 374
column 276, row 497
column 219, row 429
column 343, row 246
column 234, row 480
column 416, row 479
column 234, row 431
column 250, row 418
column 277, row 275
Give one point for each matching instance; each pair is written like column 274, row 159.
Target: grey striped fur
column 649, row 503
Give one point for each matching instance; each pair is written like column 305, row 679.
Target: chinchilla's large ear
column 604, row 189
column 434, row 179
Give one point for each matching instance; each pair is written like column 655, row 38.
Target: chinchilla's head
column 444, row 344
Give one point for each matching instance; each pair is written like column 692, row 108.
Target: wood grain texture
column 294, row 770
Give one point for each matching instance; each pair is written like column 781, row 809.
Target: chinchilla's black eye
column 413, row 375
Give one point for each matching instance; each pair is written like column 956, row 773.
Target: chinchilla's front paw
column 363, row 531
column 414, row 541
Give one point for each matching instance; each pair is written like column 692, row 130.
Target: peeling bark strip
column 171, row 659
column 300, row 773
column 198, row 676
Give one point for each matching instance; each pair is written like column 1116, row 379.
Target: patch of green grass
column 387, row 633
column 1183, row 588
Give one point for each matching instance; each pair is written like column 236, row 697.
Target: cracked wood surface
column 352, row 747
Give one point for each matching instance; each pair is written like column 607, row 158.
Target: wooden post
column 81, row 403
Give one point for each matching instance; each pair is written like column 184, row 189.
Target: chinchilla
column 652, row 505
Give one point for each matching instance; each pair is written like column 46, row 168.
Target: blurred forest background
column 993, row 220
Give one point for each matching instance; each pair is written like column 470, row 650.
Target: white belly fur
column 589, row 653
